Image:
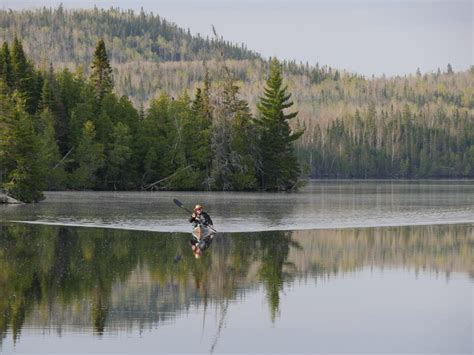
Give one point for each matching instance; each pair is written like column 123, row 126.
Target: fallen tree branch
column 64, row 157
column 6, row 199
column 149, row 186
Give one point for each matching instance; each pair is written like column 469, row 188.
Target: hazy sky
column 365, row 36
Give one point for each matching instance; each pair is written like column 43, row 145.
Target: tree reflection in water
column 48, row 273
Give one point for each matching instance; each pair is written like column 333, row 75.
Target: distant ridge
column 69, row 36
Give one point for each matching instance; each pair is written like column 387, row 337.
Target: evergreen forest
column 117, row 100
column 63, row 130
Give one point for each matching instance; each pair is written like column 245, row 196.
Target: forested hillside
column 69, row 37
column 420, row 125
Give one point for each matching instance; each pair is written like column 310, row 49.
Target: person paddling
column 201, row 217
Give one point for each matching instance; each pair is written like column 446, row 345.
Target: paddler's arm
column 208, row 219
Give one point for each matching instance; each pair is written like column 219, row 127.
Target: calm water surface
column 339, row 267
column 405, row 289
column 319, row 205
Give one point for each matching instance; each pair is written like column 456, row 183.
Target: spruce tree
column 119, row 172
column 206, row 96
column 46, row 96
column 89, row 155
column 198, row 133
column 244, row 152
column 25, row 181
column 49, row 152
column 279, row 168
column 7, row 123
column 25, row 80
column 101, row 75
column 6, row 70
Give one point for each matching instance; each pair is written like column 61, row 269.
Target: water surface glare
column 319, row 205
column 404, row 289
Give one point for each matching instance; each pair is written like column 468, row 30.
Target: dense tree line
column 63, row 130
column 393, row 143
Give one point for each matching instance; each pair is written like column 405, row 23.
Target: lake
column 319, row 205
column 340, row 267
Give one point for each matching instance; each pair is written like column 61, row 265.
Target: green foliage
column 393, row 144
column 197, row 130
column 89, row 155
column 7, row 124
column 6, row 69
column 24, row 174
column 25, row 78
column 232, row 141
column 120, row 165
column 49, row 156
column 279, row 165
column 101, row 72
column 243, row 145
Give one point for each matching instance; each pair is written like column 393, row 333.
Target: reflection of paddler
column 203, row 232
column 198, row 246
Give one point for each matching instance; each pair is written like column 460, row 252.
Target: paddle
column 180, row 205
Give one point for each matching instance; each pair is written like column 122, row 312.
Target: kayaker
column 198, row 245
column 199, row 216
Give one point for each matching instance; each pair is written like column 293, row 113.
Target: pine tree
column 7, row 123
column 89, row 155
column 49, row 152
column 279, row 166
column 25, row 79
column 156, row 137
column 101, row 75
column 119, row 172
column 47, row 101
column 243, row 150
column 6, row 69
column 206, row 96
column 25, row 181
column 197, row 132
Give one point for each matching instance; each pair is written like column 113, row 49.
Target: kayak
column 202, row 232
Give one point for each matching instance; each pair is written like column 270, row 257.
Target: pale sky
column 363, row 36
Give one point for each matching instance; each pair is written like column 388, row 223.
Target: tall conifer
column 6, row 70
column 25, row 181
column 24, row 77
column 279, row 166
column 101, row 76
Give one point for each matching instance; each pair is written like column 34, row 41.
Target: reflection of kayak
column 201, row 232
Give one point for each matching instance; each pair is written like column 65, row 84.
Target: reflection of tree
column 99, row 310
column 441, row 248
column 75, row 269
column 274, row 248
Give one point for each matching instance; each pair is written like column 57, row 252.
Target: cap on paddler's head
column 197, row 207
